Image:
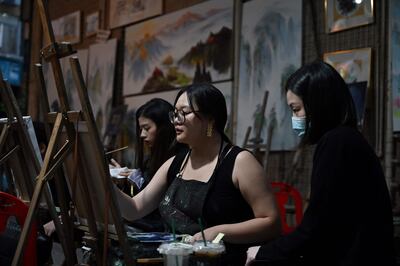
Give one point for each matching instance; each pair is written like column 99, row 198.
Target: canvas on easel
column 85, row 167
column 23, row 162
column 18, row 175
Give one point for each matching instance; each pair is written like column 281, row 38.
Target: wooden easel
column 66, row 119
column 25, row 165
column 256, row 143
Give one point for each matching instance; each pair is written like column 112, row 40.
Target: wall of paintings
column 154, row 49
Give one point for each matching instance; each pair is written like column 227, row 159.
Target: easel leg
column 41, row 181
column 66, row 242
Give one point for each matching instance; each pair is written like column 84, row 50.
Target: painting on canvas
column 394, row 61
column 100, row 80
column 68, row 28
column 190, row 45
column 124, row 12
column 70, row 87
column 354, row 67
column 91, row 24
column 270, row 52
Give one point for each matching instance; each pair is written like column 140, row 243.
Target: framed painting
column 355, row 68
column 68, row 28
column 394, row 60
column 123, row 12
column 190, row 45
column 10, row 37
column 345, row 14
column 91, row 24
column 270, row 51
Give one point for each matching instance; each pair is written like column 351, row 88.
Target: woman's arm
column 148, row 199
column 250, row 179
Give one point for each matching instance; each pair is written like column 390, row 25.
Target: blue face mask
column 299, row 125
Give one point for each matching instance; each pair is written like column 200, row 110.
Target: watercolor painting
column 394, row 60
column 68, row 28
column 100, row 80
column 124, row 12
column 190, row 45
column 354, row 66
column 134, row 102
column 270, row 52
column 91, row 24
column 346, row 14
column 70, row 87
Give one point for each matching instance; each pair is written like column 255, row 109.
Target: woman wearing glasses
column 220, row 184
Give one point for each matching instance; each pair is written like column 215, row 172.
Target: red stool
column 12, row 206
column 283, row 192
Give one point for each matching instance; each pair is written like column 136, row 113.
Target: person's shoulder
column 342, row 135
column 242, row 155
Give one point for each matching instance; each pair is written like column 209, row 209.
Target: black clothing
column 349, row 218
column 216, row 202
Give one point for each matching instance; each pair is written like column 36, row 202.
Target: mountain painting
column 100, row 80
column 70, row 87
column 270, row 52
column 190, row 45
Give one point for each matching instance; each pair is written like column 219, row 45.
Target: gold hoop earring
column 209, row 130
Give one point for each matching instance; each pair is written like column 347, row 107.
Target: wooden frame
column 25, row 167
column 345, row 15
column 65, row 120
column 14, row 157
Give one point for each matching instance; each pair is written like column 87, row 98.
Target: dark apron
column 184, row 200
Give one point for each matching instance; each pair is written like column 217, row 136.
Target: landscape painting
column 100, row 80
column 129, row 125
column 270, row 51
column 68, row 28
column 70, row 87
column 124, row 12
column 190, row 45
column 355, row 67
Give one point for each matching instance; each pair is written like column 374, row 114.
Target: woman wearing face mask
column 349, row 217
column 220, row 184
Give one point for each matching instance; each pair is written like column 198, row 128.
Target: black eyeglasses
column 179, row 116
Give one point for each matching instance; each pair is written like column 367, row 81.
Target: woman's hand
column 49, row 228
column 209, row 234
column 114, row 164
column 251, row 254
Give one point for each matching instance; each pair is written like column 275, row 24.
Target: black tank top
column 216, row 202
